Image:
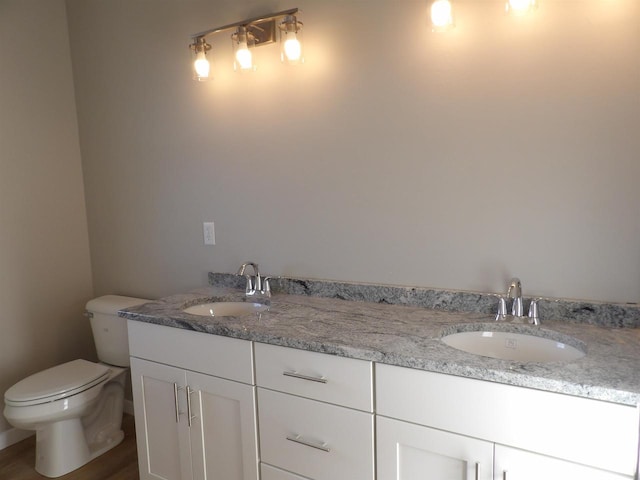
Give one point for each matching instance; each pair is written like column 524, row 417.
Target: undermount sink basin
column 226, row 309
column 519, row 347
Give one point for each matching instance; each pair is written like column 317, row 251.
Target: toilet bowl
column 76, row 408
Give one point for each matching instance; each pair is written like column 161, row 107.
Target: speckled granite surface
column 595, row 313
column 409, row 336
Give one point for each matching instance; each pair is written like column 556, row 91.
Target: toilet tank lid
column 58, row 381
column 110, row 304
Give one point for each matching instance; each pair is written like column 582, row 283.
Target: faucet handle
column 266, row 287
column 502, row 309
column 533, row 312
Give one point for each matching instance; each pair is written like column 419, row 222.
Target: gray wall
column 509, row 146
column 45, row 276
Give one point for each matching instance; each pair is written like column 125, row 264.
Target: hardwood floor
column 120, row 463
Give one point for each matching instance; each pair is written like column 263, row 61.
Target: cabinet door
column 514, row 464
column 406, row 451
column 161, row 425
column 224, row 440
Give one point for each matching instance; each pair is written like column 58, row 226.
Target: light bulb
column 243, row 56
column 441, row 16
column 520, row 6
column 292, row 48
column 201, row 65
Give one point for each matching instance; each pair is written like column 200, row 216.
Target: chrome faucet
column 517, row 308
column 256, row 284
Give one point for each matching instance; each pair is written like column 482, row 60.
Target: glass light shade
column 291, row 41
column 201, row 66
column 441, row 15
column 242, row 56
column 292, row 48
column 244, row 59
column 520, row 7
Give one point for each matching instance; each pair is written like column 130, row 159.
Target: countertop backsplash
column 612, row 315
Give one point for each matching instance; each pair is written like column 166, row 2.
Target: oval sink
column 226, row 309
column 518, row 347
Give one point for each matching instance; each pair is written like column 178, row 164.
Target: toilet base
column 66, row 445
column 61, row 448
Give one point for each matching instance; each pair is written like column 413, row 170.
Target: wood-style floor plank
column 120, row 463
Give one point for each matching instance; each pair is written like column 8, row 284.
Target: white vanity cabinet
column 429, row 422
column 194, row 401
column 315, row 415
column 198, row 400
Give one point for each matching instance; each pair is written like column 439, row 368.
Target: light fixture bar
column 246, row 23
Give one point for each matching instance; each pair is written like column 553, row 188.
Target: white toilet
column 76, row 408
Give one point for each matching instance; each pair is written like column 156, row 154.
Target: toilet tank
column 109, row 330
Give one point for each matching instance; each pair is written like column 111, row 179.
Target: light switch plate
column 209, row 233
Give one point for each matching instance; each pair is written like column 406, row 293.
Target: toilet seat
column 56, row 383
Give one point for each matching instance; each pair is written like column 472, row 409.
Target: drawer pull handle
column 175, row 400
column 307, row 443
column 190, row 415
column 304, row 377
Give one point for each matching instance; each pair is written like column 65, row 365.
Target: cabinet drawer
column 271, row 473
column 590, row 432
column 201, row 352
column 315, row 439
column 338, row 380
column 521, row 465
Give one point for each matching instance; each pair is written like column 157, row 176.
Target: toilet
column 76, row 408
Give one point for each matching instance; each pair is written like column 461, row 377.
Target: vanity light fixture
column 520, row 7
column 247, row 35
column 441, row 15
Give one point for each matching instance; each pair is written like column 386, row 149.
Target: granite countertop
column 409, row 336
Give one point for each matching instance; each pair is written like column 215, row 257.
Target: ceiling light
column 441, row 15
column 520, row 7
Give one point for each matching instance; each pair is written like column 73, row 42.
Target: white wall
column 45, row 276
column 509, row 146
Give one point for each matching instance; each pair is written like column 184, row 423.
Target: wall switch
column 209, row 233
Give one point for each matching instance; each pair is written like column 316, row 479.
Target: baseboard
column 9, row 437
column 128, row 406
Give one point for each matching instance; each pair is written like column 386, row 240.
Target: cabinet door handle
column 477, row 470
column 307, row 443
column 304, row 377
column 504, row 475
column 189, row 415
column 175, row 400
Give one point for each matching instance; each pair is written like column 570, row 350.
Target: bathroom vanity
column 319, row 388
